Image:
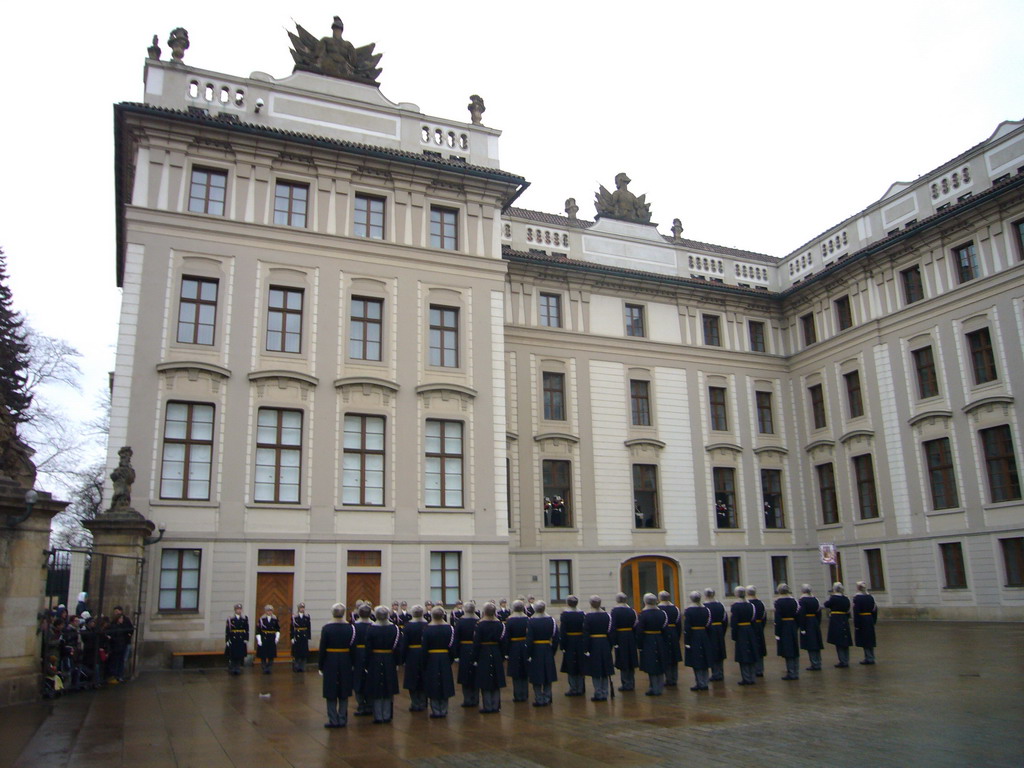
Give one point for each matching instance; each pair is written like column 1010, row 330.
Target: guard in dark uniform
column 698, row 641
column 810, row 629
column 573, row 646
column 236, row 640
column 489, row 651
column 413, row 659
column 741, row 617
column 719, row 624
column 302, row 633
column 625, row 619
column 541, row 644
column 518, row 656
column 598, row 635
column 652, row 634
column 530, row 605
column 788, row 618
column 439, row 649
column 361, row 625
column 458, row 611
column 503, row 610
column 334, row 660
column 675, row 654
column 382, row 651
column 838, row 606
column 760, row 618
column 865, row 616
column 464, row 628
column 268, row 633
column 403, row 613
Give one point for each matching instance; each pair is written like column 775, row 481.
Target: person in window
column 865, row 615
column 236, row 640
column 719, row 624
column 335, row 664
column 810, row 630
column 382, row 651
column 489, row 642
column 699, row 644
column 439, row 649
column 268, row 633
column 788, row 617
column 573, row 646
column 741, row 617
column 302, row 632
column 838, row 606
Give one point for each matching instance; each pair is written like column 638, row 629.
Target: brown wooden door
column 276, row 589
column 362, row 586
column 649, row 574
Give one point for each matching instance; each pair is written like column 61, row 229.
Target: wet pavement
column 942, row 694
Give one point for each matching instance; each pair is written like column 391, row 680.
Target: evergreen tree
column 14, row 350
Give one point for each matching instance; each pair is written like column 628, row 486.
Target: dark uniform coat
column 503, row 614
column 697, row 637
column 810, row 637
column 334, row 660
column 719, row 623
column 464, row 628
column 439, row 649
column 489, row 652
column 865, row 614
column 675, row 626
column 302, row 632
column 359, row 654
column 573, row 642
column 382, row 652
column 742, row 618
column 518, row 656
column 788, row 618
column 839, row 620
column 236, row 637
column 268, row 627
column 412, row 654
column 652, row 634
column 760, row 617
column 541, row 643
column 624, row 641
column 598, row 631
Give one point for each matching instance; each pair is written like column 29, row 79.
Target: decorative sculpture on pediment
column 154, row 49
column 622, row 204
column 677, row 229
column 476, row 108
column 571, row 209
column 334, row 56
column 178, row 43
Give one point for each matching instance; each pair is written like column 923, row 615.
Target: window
column 716, row 399
column 913, row 286
column 1018, row 236
column 445, row 577
column 635, row 320
column 188, row 452
column 551, row 310
column 444, row 228
column 876, row 575
column 817, row 395
column 444, row 336
column 290, row 203
column 854, row 400
column 927, row 379
column 1000, row 464
column 983, row 361
column 557, row 478
column 765, row 422
column 554, row 396
column 756, row 332
column 559, row 580
column 1013, row 560
column 731, row 574
column 206, row 191
column 365, row 329
column 284, row 320
column 645, row 495
column 807, row 324
column 771, row 496
column 939, row 460
column 953, row 565
column 725, row 497
column 443, row 481
column 827, row 494
column 712, row 334
column 278, row 557
column 362, row 468
column 278, row 455
column 966, row 262
column 867, row 499
column 780, row 571
column 844, row 315
column 179, row 580
column 835, row 570
column 640, row 402
column 197, row 310
column 369, row 219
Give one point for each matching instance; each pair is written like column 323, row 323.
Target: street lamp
column 31, row 497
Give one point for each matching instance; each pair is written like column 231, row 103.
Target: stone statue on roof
column 178, row 43
column 622, row 204
column 122, row 478
column 476, row 109
column 334, row 56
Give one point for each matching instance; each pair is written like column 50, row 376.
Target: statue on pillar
column 677, row 229
column 15, row 457
column 476, row 108
column 122, row 477
column 178, row 43
column 622, row 204
column 571, row 209
column 154, row 49
column 334, row 56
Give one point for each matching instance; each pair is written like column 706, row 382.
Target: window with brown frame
column 559, row 580
column 867, row 497
column 927, row 378
column 765, row 418
column 876, row 574
column 827, row 493
column 554, row 396
column 444, row 228
column 278, row 455
column 369, row 216
column 445, row 577
column 207, row 190
column 712, row 330
column 556, row 475
column 1000, row 464
column 284, row 319
column 719, row 414
column 755, row 329
column 913, row 285
column 941, row 477
column 365, row 330
column 187, row 452
column 983, row 361
column 364, row 558
column 818, row 416
column 780, row 571
column 771, row 498
column 197, row 310
column 645, row 496
column 724, row 479
column 362, row 461
column 284, row 558
column 966, row 258
column 835, row 570
column 854, row 398
column 953, row 565
column 640, row 402
column 290, row 200
column 635, row 320
column 844, row 314
column 731, row 574
column 809, row 330
column 550, row 310
column 443, row 467
column 1013, row 561
column 444, row 336
column 179, row 580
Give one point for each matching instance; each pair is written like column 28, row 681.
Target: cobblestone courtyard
column 942, row 694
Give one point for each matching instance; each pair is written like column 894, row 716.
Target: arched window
column 649, row 573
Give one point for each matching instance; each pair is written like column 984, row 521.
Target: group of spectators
column 81, row 651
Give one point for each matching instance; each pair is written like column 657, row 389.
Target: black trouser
column 542, row 693
column 337, row 711
column 843, row 652
column 383, row 710
column 793, row 666
column 601, row 686
column 417, row 700
column 438, row 707
column 520, row 688
column 747, row 673
column 491, row 700
column 701, row 677
column 628, row 678
column 470, row 696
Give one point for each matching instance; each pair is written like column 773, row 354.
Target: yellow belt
column 361, row 646
column 573, row 634
column 624, row 629
column 696, row 628
column 239, row 630
column 652, row 631
column 716, row 623
column 517, row 639
column 542, row 642
column 810, row 615
column 438, row 650
column 743, row 624
column 415, row 646
column 864, row 614
column 788, row 618
column 837, row 613
column 382, row 650
column 670, row 625
column 336, row 650
column 465, row 642
column 489, row 642
column 599, row 635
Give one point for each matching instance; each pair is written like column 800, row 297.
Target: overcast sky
column 758, row 124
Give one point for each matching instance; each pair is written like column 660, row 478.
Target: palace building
column 351, row 367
